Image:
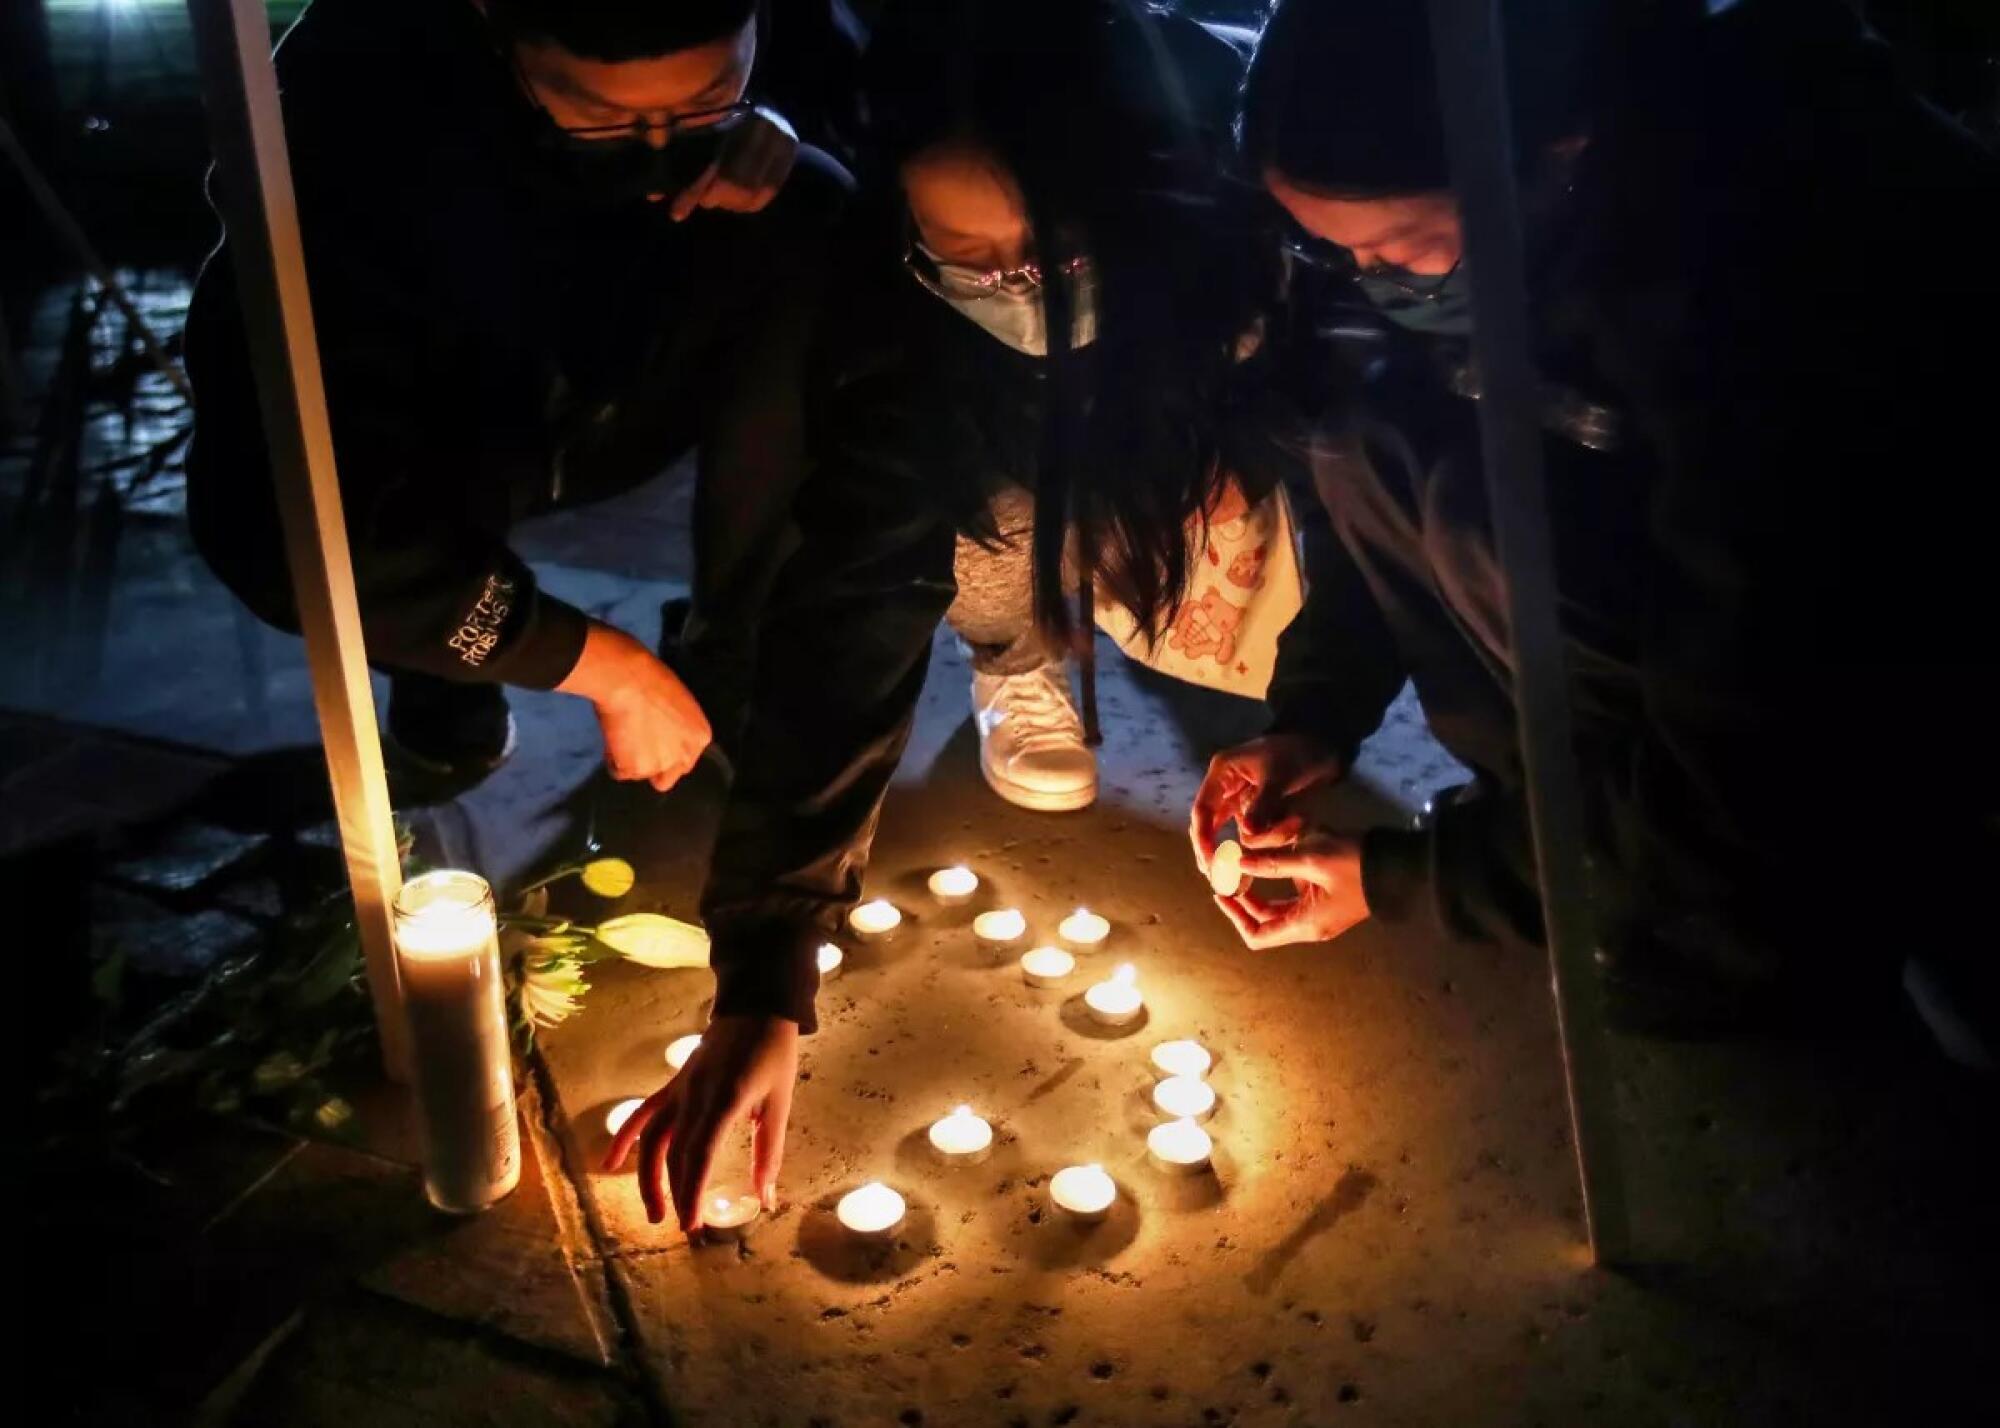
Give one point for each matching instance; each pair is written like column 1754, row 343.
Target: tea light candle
column 1046, row 966
column 962, row 1138
column 1084, row 930
column 1225, row 869
column 681, row 1048
column 1116, row 1000
column 1083, row 1192
column 875, row 921
column 615, row 1118
column 953, row 887
column 1182, row 1058
column 1185, row 1097
column 830, row 958
column 873, row 1211
column 728, row 1212
column 1000, row 927
column 1181, row 1146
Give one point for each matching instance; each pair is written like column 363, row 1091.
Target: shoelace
column 1040, row 707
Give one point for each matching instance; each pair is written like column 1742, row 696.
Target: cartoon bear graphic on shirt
column 1246, row 571
column 1206, row 627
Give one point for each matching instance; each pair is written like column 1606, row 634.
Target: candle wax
column 1182, row 1058
column 1116, row 1001
column 830, row 958
column 615, row 1118
column 1046, row 966
column 1225, row 869
column 961, row 1136
column 728, row 1211
column 999, row 927
column 1180, row 1146
column 1184, row 1096
column 1084, row 930
column 872, row 1210
column 874, row 920
column 952, row 886
column 1083, row 1192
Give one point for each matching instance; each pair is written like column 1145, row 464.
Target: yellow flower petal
column 609, row 877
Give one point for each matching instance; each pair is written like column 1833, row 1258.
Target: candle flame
column 963, row 1111
column 1126, row 973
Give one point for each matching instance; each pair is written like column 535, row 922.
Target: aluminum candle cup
column 1116, row 1001
column 953, row 887
column 462, row 1068
column 1002, row 927
column 1182, row 1058
column 830, row 959
column 1046, row 966
column 1083, row 930
column 961, row 1138
column 872, row 1212
column 1083, row 1192
column 875, row 921
column 681, row 1049
column 1179, row 1147
column 1185, row 1097
column 728, row 1212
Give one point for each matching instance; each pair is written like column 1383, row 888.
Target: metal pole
column 1472, row 87
column 233, row 41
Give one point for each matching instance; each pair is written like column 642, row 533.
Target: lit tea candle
column 1046, row 966
column 1185, row 1097
column 1182, row 1058
column 875, row 921
column 1116, row 1000
column 1181, row 1147
column 1000, row 928
column 830, row 958
column 615, row 1118
column 681, row 1048
column 728, row 1212
column 1225, row 869
column 1084, row 930
column 962, row 1138
column 1083, row 1192
column 872, row 1212
column 953, row 887
column 462, row 1062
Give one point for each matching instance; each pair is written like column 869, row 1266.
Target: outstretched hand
column 1325, row 872
column 745, row 1066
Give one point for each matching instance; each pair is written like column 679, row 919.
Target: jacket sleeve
column 841, row 657
column 437, row 428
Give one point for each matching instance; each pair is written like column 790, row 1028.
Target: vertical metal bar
column 233, row 41
column 1472, row 88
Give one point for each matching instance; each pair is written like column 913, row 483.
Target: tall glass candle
column 462, row 1069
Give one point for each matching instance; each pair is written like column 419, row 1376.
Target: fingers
column 1281, row 834
column 1300, row 866
column 1215, row 803
column 693, row 1156
column 1288, row 922
column 696, row 193
column 768, row 1152
column 654, row 1146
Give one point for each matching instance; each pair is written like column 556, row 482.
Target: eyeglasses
column 1330, row 257
column 636, row 130
column 957, row 281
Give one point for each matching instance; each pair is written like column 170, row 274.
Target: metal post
column 233, row 41
column 1471, row 76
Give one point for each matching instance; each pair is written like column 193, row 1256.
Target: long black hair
column 1082, row 103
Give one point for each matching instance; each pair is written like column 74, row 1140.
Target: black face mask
column 628, row 169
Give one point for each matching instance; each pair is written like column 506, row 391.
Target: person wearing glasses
column 553, row 245
column 1769, row 521
column 1032, row 326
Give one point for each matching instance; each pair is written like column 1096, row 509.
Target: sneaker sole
column 1068, row 800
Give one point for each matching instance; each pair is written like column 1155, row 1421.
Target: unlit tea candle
column 1185, row 1097
column 830, row 960
column 1182, row 1058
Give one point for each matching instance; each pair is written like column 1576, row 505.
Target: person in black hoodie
column 1763, row 306
column 1046, row 300
column 551, row 246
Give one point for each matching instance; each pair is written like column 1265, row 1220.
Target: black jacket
column 1772, row 271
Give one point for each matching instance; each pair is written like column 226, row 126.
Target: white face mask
column 1015, row 313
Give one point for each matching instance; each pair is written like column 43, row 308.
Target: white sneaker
column 1031, row 746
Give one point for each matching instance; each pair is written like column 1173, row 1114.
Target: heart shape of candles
column 830, row 958
column 961, row 1138
column 1083, row 1192
column 681, row 1049
column 1084, row 930
column 1179, row 1146
column 1185, row 1097
column 1182, row 1058
column 871, row 1212
column 1046, row 966
column 953, row 887
column 875, row 921
column 1000, row 927
column 1116, row 1001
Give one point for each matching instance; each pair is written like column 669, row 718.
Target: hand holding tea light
column 728, row 1212
column 681, row 1049
column 1116, row 1001
column 1046, row 966
column 875, row 921
column 1185, row 1098
column 961, row 1138
column 871, row 1212
column 830, row 959
column 1084, row 930
column 1182, row 1058
column 1083, row 1192
column 953, row 887
column 1225, row 869
column 1000, row 928
column 1179, row 1146
column 615, row 1118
